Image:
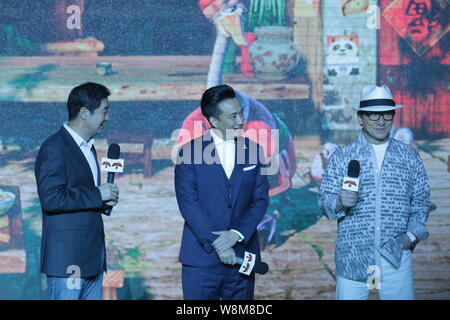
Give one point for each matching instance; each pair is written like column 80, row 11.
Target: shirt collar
column 218, row 140
column 79, row 140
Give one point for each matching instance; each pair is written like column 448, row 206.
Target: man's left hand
column 407, row 243
column 225, row 241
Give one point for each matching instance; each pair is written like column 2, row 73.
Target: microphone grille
column 353, row 169
column 261, row 268
column 114, row 151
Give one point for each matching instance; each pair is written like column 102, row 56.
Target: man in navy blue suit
column 222, row 194
column 72, row 199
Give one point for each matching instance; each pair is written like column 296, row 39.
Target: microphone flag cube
column 351, row 184
column 248, row 264
column 112, row 165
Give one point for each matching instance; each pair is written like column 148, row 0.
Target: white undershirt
column 380, row 151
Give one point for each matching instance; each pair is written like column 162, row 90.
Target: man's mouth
column 380, row 130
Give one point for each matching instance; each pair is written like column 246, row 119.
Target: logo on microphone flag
column 350, row 184
column 112, row 165
column 248, row 264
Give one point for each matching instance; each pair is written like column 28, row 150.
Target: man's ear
column 360, row 121
column 84, row 112
column 213, row 121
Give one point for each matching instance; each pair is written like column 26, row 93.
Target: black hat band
column 376, row 102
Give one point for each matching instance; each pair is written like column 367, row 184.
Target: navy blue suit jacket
column 72, row 226
column 209, row 202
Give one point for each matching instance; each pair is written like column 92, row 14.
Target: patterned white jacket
column 391, row 202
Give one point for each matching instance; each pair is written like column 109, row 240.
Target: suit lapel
column 98, row 167
column 239, row 162
column 74, row 151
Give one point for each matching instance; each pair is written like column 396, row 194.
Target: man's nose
column 381, row 121
column 240, row 120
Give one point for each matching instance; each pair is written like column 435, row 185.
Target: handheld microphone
column 250, row 265
column 113, row 154
column 351, row 180
column 112, row 164
column 259, row 267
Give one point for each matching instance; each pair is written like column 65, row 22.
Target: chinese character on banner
column 421, row 23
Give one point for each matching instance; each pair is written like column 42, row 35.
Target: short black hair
column 212, row 97
column 88, row 95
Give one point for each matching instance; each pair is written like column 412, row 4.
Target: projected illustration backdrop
column 298, row 67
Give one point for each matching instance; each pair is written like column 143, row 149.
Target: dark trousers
column 224, row 283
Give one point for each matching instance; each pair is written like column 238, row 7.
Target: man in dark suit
column 72, row 199
column 222, row 194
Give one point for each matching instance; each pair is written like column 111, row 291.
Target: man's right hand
column 109, row 192
column 111, row 203
column 228, row 256
column 347, row 199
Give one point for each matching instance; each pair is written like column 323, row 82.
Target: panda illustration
column 342, row 58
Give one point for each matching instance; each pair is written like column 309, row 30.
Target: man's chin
column 99, row 130
column 383, row 138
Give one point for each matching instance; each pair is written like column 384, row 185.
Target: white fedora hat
column 378, row 99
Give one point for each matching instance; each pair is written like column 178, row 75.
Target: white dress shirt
column 86, row 148
column 227, row 154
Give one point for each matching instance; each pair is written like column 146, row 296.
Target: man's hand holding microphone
column 223, row 245
column 350, row 187
column 346, row 200
column 110, row 193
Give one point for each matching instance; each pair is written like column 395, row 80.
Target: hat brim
column 378, row 108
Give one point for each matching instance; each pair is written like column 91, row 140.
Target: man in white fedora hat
column 380, row 224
